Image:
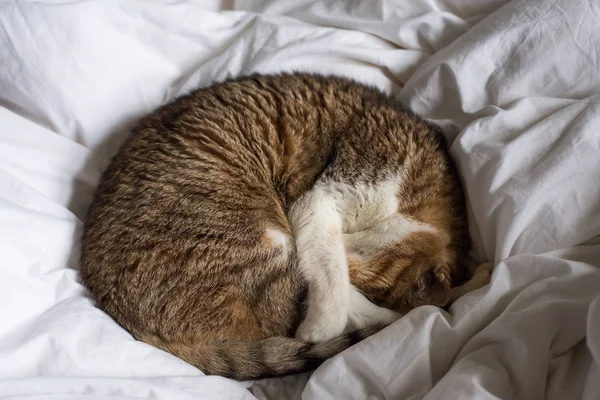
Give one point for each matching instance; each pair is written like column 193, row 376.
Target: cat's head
column 413, row 272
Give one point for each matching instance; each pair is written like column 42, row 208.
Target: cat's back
column 264, row 127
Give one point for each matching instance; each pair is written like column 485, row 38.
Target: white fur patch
column 364, row 313
column 363, row 205
column 278, row 239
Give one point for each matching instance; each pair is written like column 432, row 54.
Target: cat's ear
column 435, row 285
column 442, row 272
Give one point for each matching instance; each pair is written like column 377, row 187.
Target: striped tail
column 271, row 357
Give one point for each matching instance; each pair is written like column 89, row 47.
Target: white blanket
column 515, row 84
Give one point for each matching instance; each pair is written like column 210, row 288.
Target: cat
column 259, row 226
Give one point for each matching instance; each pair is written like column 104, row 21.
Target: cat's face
column 406, row 284
column 406, row 275
column 429, row 288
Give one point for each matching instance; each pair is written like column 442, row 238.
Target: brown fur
column 174, row 246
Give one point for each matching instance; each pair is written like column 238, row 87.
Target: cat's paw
column 482, row 275
column 322, row 325
column 382, row 316
column 364, row 313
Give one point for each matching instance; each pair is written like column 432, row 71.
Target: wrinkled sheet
column 515, row 85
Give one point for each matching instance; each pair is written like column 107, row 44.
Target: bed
column 514, row 84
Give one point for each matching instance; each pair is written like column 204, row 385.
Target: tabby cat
column 259, row 226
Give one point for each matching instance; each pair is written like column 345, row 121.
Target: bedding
column 514, row 84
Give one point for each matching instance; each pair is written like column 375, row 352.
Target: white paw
column 364, row 313
column 321, row 325
column 383, row 316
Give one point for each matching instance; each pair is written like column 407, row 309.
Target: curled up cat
column 259, row 226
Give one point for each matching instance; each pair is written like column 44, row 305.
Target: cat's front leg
column 317, row 226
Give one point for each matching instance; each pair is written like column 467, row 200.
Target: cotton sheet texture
column 515, row 85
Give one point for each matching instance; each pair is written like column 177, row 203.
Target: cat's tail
column 275, row 356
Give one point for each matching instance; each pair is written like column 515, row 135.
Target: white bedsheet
column 515, row 84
